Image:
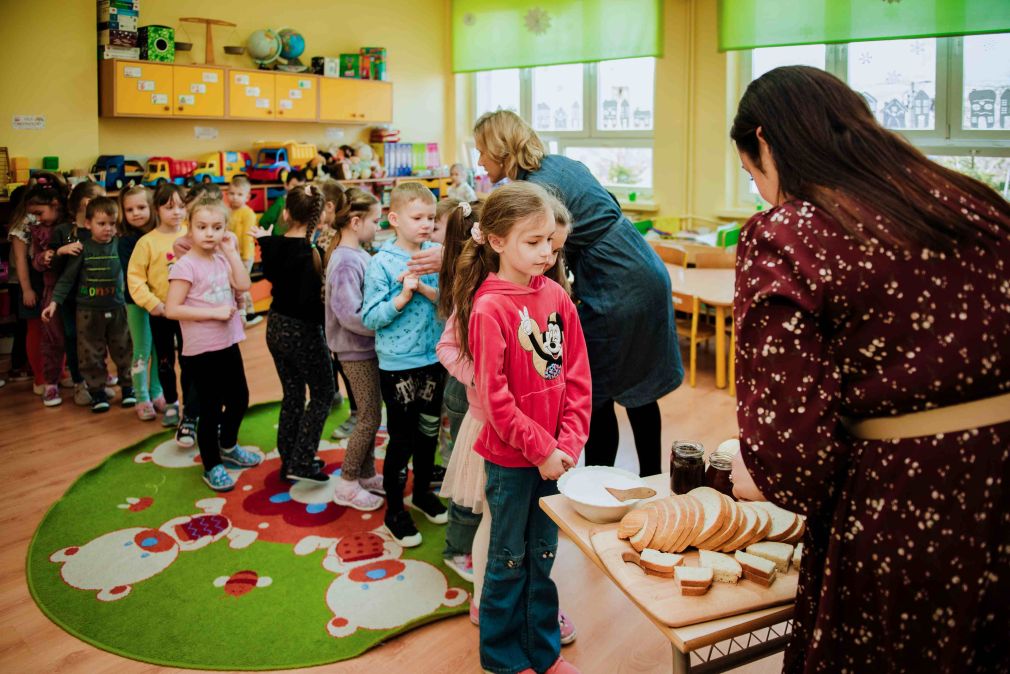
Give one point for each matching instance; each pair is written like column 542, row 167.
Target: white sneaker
column 462, row 565
column 345, row 429
column 255, row 320
column 81, row 395
column 38, row 389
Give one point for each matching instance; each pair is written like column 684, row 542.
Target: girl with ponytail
column 295, row 337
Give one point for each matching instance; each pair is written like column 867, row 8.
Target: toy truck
column 116, row 172
column 165, row 169
column 221, row 167
column 275, row 160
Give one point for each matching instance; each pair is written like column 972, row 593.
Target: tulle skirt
column 464, row 476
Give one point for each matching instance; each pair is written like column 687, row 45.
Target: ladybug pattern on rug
column 375, row 588
column 242, row 582
column 114, row 562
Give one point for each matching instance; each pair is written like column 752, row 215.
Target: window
column 598, row 113
column 948, row 96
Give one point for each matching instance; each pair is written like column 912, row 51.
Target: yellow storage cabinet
column 199, row 91
column 251, row 94
column 356, row 101
column 296, row 97
column 136, row 89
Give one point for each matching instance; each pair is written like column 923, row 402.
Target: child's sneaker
column 51, row 396
column 99, row 403
column 171, row 418
column 312, row 474
column 474, row 613
column 253, row 320
column 129, row 398
column 145, row 411
column 462, row 565
column 562, row 666
column 345, row 429
column 373, row 484
column 111, row 380
column 351, row 495
column 159, row 404
column 3, row 382
column 218, row 479
column 567, row 629
column 185, row 437
column 38, row 389
column 67, row 382
column 437, row 475
column 431, row 508
column 18, row 375
column 81, row 395
column 240, row 457
column 401, row 528
column 338, row 400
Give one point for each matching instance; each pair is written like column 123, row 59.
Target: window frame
column 946, row 138
column 589, row 136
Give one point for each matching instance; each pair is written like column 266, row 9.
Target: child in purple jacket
column 356, row 221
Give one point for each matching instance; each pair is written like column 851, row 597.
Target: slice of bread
column 764, row 524
column 641, row 540
column 783, row 521
column 797, row 555
column 797, row 535
column 759, row 579
column 746, row 530
column 631, row 524
column 716, row 512
column 693, row 576
column 753, row 564
column 688, row 518
column 660, row 562
column 692, row 591
column 725, row 569
column 728, row 531
column 677, row 520
column 779, row 553
column 662, row 521
column 699, row 524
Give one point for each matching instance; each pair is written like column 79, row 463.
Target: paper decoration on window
column 241, row 79
column 252, row 91
column 131, row 71
column 145, row 85
column 211, row 78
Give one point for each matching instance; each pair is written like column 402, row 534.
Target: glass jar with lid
column 687, row 467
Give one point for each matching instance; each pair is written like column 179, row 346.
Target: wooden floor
column 43, row 450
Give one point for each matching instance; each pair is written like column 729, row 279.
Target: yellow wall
column 414, row 33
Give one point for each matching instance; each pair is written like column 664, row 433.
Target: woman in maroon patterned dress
column 877, row 286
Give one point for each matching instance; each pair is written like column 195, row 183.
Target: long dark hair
column 457, row 232
column 829, row 150
column 305, row 204
column 163, row 194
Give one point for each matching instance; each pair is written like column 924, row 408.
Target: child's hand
column 47, row 257
column 29, row 298
column 258, row 232
column 409, row 286
column 229, row 244
column 555, row 465
column 48, row 312
column 74, row 248
column 223, row 312
column 158, row 310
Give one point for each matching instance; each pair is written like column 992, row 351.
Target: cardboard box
column 121, row 23
column 19, row 163
column 157, row 43
column 376, row 63
column 108, row 52
column 117, row 38
column 327, row 66
column 350, row 65
column 129, row 5
column 105, row 13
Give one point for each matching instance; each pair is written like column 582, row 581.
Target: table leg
column 681, row 661
column 720, row 346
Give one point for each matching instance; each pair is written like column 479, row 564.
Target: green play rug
column 141, row 559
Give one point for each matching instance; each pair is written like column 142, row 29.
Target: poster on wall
column 23, row 122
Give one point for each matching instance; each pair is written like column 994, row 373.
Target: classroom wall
column 415, row 34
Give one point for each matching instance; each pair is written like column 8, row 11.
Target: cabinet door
column 349, row 100
column 199, row 92
column 250, row 94
column 296, row 97
column 143, row 89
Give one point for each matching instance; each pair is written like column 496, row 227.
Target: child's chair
column 690, row 328
column 720, row 259
column 670, row 254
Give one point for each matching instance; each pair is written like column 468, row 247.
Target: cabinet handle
column 180, row 107
column 169, row 109
column 280, row 112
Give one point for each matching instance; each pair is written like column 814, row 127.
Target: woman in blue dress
column 622, row 289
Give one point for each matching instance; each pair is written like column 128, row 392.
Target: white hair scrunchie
column 478, row 236
column 465, row 207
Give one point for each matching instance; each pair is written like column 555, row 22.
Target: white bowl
column 585, row 489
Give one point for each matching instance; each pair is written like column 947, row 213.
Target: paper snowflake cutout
column 865, row 58
column 537, row 21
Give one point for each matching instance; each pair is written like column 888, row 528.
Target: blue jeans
column 519, row 605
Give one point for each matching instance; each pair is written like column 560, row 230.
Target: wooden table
column 685, row 640
column 714, row 287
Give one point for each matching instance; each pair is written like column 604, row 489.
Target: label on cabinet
column 304, row 84
column 186, row 99
column 262, row 102
column 286, row 104
column 197, row 88
column 252, row 91
column 211, row 78
column 131, row 71
column 205, row 132
column 295, row 93
column 159, row 99
column 241, row 79
column 145, row 85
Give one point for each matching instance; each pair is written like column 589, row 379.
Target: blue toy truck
column 116, row 172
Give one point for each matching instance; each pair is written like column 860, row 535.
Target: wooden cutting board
column 660, row 598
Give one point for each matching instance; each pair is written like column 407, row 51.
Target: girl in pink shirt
column 531, row 375
column 201, row 296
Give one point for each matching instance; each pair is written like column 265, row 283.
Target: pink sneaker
column 567, row 629
column 474, row 613
column 352, row 495
column 51, row 396
column 145, row 411
column 372, row 484
column 562, row 666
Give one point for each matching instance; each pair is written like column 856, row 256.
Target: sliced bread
column 662, row 524
column 725, row 569
column 641, row 540
column 755, row 565
column 699, row 516
column 779, row 553
column 688, row 521
column 797, row 555
column 763, row 581
column 746, row 530
column 728, row 531
column 631, row 524
column 783, row 521
column 764, row 524
column 797, row 535
column 716, row 511
column 660, row 562
column 693, row 580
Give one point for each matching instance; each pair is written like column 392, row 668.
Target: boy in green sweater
column 101, row 308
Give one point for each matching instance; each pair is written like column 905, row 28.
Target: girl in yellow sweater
column 147, row 278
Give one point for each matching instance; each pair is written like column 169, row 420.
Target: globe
column 293, row 44
column 265, row 46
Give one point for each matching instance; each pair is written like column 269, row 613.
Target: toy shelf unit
column 167, row 90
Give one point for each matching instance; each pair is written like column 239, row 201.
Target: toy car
column 221, row 167
column 165, row 169
column 275, row 160
column 116, row 172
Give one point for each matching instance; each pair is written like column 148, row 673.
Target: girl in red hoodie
column 532, row 377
